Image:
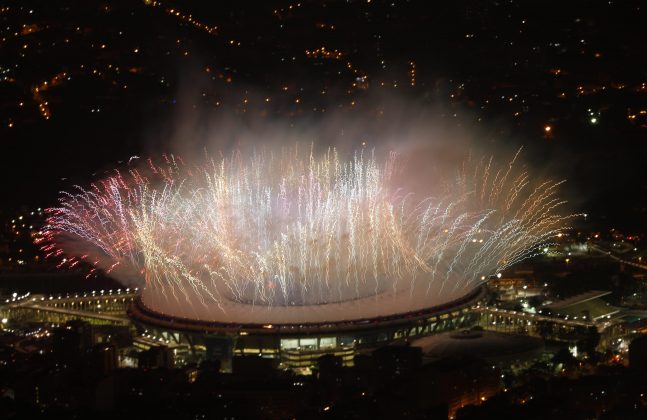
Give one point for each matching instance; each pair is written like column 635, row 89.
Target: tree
column 545, row 329
column 589, row 342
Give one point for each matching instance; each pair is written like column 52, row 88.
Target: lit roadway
column 64, row 305
column 116, row 319
column 614, row 257
column 490, row 310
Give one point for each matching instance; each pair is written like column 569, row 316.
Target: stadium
column 298, row 345
column 292, row 254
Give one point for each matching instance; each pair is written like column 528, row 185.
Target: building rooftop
column 589, row 305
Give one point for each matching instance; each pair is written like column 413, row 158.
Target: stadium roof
column 589, row 305
column 301, row 320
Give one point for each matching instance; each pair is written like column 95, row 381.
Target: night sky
column 84, row 86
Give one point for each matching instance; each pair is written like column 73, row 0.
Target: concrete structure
column 298, row 345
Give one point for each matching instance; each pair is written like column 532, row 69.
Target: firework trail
column 299, row 228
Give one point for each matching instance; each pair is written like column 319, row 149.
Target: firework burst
column 301, row 229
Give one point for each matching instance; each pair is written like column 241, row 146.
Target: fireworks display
column 300, row 235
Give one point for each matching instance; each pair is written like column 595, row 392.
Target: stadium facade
column 298, row 345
